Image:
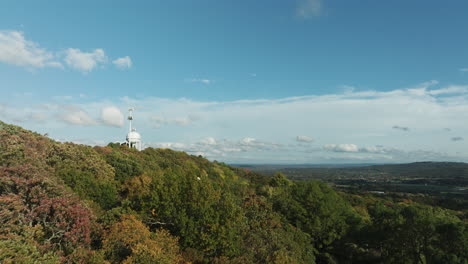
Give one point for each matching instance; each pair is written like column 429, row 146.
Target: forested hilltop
column 68, row 203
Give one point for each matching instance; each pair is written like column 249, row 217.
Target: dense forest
column 442, row 184
column 68, row 203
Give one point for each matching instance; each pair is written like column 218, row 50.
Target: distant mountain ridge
column 428, row 169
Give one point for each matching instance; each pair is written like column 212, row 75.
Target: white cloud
column 209, row 141
column 16, row 50
column 248, row 141
column 75, row 116
column 304, row 139
column 257, row 151
column 158, row 121
column 22, row 115
column 452, row 89
column 85, row 61
column 123, row 63
column 373, row 149
column 309, row 8
column 361, row 117
column 262, row 130
column 426, row 85
column 464, row 69
column 203, row 81
column 215, row 149
column 111, row 116
column 350, row 152
column 341, row 147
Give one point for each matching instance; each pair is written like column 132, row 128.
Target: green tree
column 316, row 209
column 413, row 233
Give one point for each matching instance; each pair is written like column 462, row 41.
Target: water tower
column 133, row 137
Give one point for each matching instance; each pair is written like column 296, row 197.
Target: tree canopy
column 69, row 203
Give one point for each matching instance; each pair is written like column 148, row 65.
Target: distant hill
column 427, row 169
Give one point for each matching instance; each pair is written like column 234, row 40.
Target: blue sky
column 298, row 81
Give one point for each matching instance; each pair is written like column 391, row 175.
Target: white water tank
column 134, row 139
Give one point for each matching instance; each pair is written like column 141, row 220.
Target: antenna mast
column 130, row 117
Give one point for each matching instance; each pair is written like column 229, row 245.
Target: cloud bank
column 16, row 50
column 353, row 126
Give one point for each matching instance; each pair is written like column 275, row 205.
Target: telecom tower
column 133, row 137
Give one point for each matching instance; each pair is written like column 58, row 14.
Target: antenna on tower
column 130, row 117
column 133, row 138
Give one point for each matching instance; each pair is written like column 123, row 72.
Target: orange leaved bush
column 130, row 241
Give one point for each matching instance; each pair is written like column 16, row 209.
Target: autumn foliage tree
column 130, row 241
column 37, row 210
